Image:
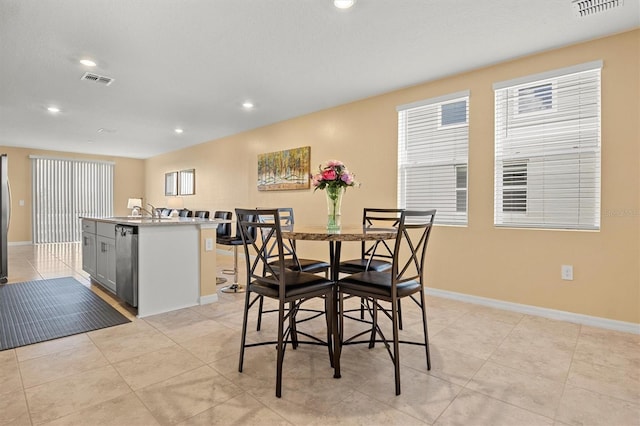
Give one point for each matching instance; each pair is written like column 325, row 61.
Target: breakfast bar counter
column 173, row 263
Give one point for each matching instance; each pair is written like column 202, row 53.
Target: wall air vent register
column 591, row 7
column 97, row 78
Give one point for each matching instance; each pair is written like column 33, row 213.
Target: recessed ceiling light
column 247, row 105
column 343, row 4
column 53, row 109
column 87, row 62
column 178, row 130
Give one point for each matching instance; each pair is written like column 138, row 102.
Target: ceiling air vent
column 591, row 7
column 97, row 78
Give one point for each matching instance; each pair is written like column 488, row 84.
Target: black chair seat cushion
column 229, row 241
column 306, row 265
column 376, row 283
column 354, row 266
column 298, row 283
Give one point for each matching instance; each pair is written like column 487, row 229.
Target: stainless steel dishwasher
column 127, row 263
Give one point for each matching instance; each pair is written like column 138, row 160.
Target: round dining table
column 335, row 237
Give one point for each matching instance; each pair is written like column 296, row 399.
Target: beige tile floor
column 490, row 367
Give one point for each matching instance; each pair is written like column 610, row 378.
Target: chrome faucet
column 153, row 213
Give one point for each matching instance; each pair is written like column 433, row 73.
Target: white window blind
column 547, row 149
column 64, row 190
column 433, row 151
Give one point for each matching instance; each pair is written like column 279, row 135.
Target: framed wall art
column 284, row 170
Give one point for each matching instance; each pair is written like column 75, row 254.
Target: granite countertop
column 344, row 233
column 163, row 221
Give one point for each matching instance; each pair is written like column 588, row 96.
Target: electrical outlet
column 208, row 244
column 566, row 272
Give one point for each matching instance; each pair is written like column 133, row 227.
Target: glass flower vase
column 334, row 203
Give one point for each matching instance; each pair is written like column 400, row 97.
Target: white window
column 461, row 188
column 547, row 149
column 453, row 114
column 514, row 183
column 536, row 99
column 433, row 147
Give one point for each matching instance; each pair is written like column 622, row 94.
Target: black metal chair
column 185, row 213
column 292, row 261
column 290, row 289
column 223, row 231
column 374, row 255
column 404, row 279
column 203, row 214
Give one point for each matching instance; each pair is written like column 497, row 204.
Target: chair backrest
column 285, row 216
column 185, row 213
column 379, row 218
column 410, row 246
column 267, row 221
column 203, row 214
column 224, row 229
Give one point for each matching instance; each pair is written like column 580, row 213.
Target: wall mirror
column 171, row 184
column 187, row 184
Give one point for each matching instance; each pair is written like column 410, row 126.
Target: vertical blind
column 433, row 151
column 65, row 189
column 547, row 149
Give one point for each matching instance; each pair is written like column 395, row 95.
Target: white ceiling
column 191, row 63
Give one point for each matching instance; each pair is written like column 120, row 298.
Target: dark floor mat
column 35, row 311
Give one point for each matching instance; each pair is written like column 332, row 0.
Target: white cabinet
column 89, row 246
column 106, row 262
column 99, row 252
column 106, row 255
column 170, row 261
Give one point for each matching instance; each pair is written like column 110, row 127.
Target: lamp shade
column 175, row 203
column 134, row 202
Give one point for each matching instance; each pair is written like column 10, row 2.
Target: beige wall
column 128, row 182
column 515, row 265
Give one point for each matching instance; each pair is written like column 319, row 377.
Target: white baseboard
column 210, row 298
column 627, row 327
column 19, row 243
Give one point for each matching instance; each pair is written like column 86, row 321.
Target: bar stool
column 223, row 230
column 235, row 242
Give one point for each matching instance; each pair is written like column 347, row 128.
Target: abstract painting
column 284, row 170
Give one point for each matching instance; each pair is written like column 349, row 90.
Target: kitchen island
column 175, row 266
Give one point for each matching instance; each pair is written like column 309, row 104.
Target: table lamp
column 135, row 204
column 175, row 204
